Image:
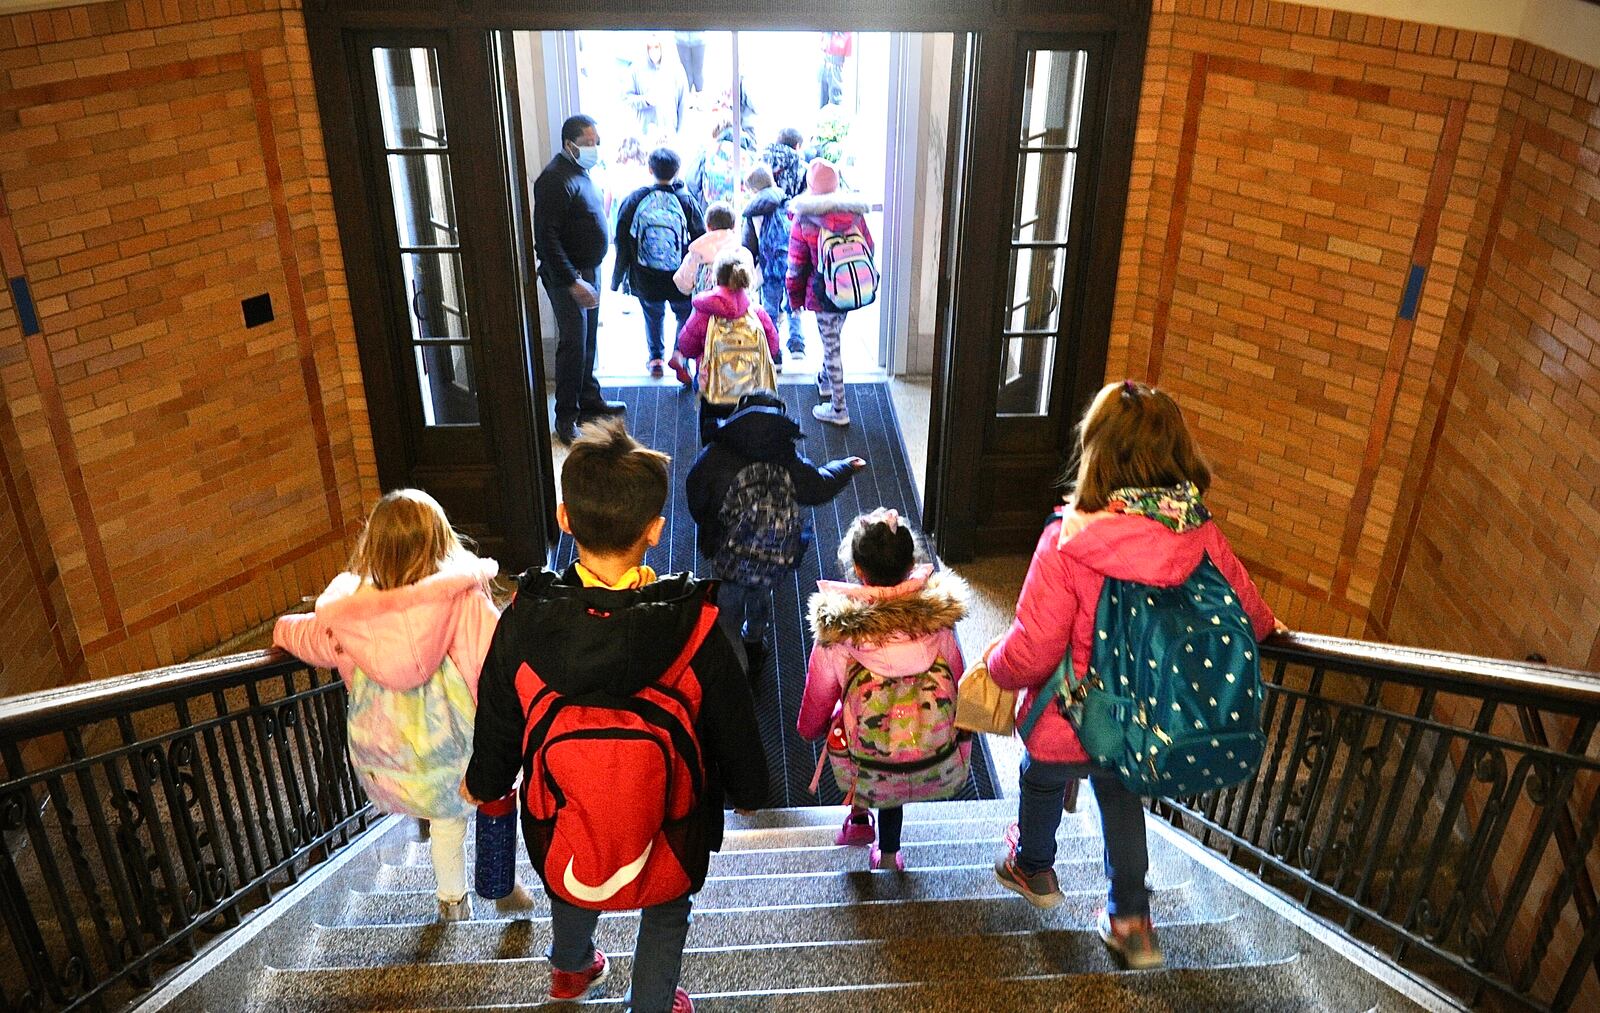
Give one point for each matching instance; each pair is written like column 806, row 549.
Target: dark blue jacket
column 758, row 431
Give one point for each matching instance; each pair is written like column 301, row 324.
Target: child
column 737, row 341
column 616, row 693
column 745, row 492
column 888, row 635
column 407, row 626
column 830, row 273
column 766, row 236
column 1134, row 513
column 697, row 274
column 655, row 226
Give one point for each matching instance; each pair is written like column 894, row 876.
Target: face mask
column 587, row 158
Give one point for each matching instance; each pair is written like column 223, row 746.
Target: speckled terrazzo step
column 431, row 942
column 940, row 958
column 390, row 907
column 920, row 856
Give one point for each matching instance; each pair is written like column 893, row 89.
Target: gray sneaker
column 1038, row 888
column 1132, row 940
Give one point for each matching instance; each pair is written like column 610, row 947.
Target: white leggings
column 447, row 845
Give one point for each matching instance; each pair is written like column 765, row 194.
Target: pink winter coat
column 702, row 253
column 1062, row 591
column 730, row 304
column 812, row 211
column 892, row 631
column 398, row 637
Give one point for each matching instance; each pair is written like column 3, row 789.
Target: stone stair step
column 1074, row 861
column 390, row 906
column 942, row 959
column 433, row 942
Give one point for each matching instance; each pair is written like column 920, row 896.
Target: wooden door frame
column 966, row 350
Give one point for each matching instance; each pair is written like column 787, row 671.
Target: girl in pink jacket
column 408, row 626
column 899, row 621
column 1135, row 513
column 735, row 275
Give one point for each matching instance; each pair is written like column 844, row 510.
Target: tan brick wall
column 161, row 162
column 1292, row 164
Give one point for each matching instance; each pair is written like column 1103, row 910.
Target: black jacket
column 569, row 222
column 765, row 204
column 758, row 431
column 593, row 640
column 647, row 282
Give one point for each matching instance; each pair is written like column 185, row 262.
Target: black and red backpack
column 612, row 786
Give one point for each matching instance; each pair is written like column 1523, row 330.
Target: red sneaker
column 681, row 1003
column 576, row 984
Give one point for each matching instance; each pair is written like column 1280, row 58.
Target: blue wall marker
column 24, row 300
column 1408, row 302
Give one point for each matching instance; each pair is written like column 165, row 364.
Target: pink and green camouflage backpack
column 896, row 738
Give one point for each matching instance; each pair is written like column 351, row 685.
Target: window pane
column 449, row 387
column 1036, row 276
column 436, row 296
column 1044, row 197
column 424, row 207
column 409, row 100
column 1052, row 104
column 1025, row 375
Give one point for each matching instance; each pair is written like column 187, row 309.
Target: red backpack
column 613, row 786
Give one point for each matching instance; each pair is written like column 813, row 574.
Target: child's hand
column 744, row 812
column 467, row 795
column 856, row 463
column 1278, row 627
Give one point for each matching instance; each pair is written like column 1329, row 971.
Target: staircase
column 788, row 921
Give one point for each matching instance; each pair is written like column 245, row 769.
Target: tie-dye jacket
column 410, row 658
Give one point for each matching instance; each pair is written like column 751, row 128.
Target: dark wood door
column 444, row 353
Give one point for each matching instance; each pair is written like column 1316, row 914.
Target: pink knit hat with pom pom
column 821, row 176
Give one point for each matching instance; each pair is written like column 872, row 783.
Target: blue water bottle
column 495, row 866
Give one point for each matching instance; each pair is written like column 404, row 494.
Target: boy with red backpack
column 624, row 708
column 831, row 272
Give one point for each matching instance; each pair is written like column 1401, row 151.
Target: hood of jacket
column 712, row 243
column 891, row 631
column 831, row 209
column 398, row 637
column 761, row 431
column 595, row 640
column 1132, row 547
column 723, row 302
column 765, row 203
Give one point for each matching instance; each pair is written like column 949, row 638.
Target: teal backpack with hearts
column 1172, row 702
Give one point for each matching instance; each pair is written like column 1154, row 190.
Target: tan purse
column 981, row 706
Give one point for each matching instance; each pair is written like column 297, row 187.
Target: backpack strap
column 697, row 637
column 1064, row 677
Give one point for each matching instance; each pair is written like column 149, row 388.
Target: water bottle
column 495, row 866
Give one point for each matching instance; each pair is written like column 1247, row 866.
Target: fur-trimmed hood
column 867, row 619
column 819, row 205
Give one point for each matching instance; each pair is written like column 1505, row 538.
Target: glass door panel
column 417, row 168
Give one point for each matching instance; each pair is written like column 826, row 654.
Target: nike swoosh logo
column 605, row 891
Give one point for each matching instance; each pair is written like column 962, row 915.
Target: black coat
column 647, row 282
column 594, row 640
column 569, row 222
column 759, row 432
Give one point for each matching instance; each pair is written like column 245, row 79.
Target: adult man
column 569, row 226
column 656, row 91
column 655, row 225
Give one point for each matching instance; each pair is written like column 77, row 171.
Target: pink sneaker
column 857, row 831
column 896, row 858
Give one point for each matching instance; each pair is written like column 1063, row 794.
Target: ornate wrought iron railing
column 144, row 814
column 1439, row 807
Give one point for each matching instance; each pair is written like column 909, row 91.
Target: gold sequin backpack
column 1172, row 702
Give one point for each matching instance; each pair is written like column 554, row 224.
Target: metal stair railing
column 1442, row 808
column 145, row 814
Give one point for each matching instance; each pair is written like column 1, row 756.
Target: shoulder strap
column 697, row 637
column 1064, row 675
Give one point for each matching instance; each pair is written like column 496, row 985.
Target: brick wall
column 187, row 477
column 1293, row 167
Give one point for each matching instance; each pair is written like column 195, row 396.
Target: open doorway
column 873, row 103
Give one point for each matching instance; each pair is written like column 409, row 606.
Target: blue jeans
column 655, row 314
column 1044, row 788
column 744, row 612
column 657, row 952
column 772, row 300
